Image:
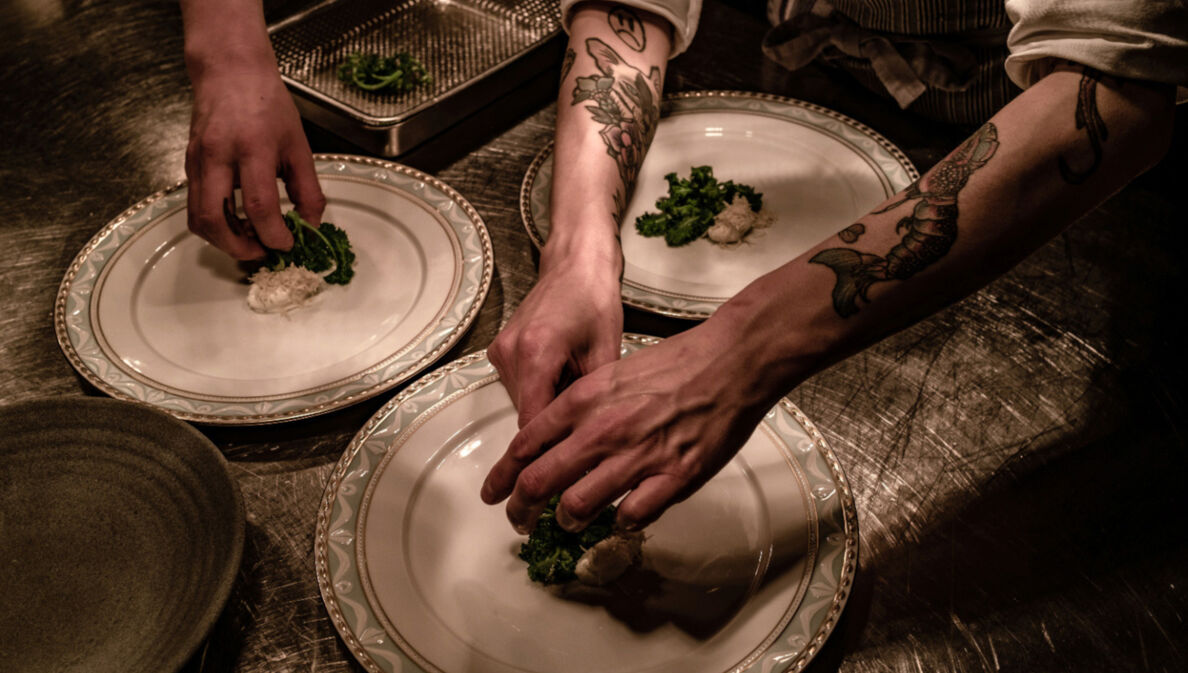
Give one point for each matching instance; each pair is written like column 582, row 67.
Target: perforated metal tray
column 474, row 50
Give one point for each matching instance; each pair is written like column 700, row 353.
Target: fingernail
column 521, row 528
column 564, row 520
column 568, row 522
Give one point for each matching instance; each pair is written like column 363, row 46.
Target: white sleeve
column 682, row 14
column 1138, row 39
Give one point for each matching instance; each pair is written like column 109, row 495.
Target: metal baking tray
column 474, row 50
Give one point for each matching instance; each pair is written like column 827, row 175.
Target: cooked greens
column 384, row 74
column 315, row 248
column 688, row 210
column 552, row 552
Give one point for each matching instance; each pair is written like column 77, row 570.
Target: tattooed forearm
column 624, row 101
column 626, row 24
column 851, row 233
column 567, row 63
column 1088, row 118
column 931, row 228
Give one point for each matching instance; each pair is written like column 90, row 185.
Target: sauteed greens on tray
column 384, row 74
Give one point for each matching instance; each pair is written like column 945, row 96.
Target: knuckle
column 533, row 485
column 520, row 448
column 497, row 351
column 201, row 224
column 257, row 206
column 316, row 201
column 533, row 341
column 578, row 505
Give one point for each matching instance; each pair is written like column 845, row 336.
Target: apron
column 942, row 59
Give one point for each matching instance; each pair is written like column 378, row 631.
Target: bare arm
column 657, row 425
column 244, row 131
column 607, row 109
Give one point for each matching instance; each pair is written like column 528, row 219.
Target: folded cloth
column 906, row 65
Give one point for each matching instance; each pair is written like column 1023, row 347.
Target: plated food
column 418, row 575
column 817, row 169
column 151, row 313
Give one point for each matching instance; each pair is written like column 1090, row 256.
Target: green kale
column 688, row 210
column 389, row 74
column 317, row 249
column 552, row 552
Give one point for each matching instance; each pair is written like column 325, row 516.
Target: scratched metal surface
column 1017, row 459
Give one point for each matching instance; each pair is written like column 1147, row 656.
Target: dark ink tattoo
column 1088, row 118
column 628, row 27
column 624, row 101
column 931, row 228
column 851, row 233
column 567, row 63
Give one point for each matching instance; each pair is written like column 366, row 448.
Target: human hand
column 245, row 130
column 655, row 425
column 570, row 324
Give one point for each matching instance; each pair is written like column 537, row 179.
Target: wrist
column 237, row 53
column 592, row 249
column 777, row 341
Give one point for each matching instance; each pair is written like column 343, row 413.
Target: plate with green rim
column 750, row 574
column 122, row 533
column 150, row 313
column 818, row 170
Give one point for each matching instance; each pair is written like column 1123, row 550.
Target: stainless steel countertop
column 1017, row 459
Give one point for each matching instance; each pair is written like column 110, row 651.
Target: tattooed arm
column 655, row 426
column 607, row 109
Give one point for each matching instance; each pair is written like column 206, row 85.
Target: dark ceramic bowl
column 121, row 533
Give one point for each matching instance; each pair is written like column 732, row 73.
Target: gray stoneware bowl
column 121, row 533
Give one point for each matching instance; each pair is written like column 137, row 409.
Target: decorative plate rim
column 332, row 402
column 362, row 645
column 645, row 298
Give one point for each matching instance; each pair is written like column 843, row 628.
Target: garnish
column 386, row 74
column 552, row 552
column 318, row 249
column 688, row 211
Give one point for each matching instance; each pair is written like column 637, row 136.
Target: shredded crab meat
column 737, row 220
column 607, row 560
column 283, row 291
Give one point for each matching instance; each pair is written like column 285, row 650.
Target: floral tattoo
column 931, row 227
column 623, row 100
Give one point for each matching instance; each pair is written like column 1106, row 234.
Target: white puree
column 282, row 291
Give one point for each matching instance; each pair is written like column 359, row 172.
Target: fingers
column 530, row 364
column 261, row 202
column 528, row 445
column 301, row 183
column 649, row 499
column 561, row 466
column 585, row 500
column 209, row 194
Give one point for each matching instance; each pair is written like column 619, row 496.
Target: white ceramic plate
column 818, row 171
column 150, row 312
column 749, row 574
